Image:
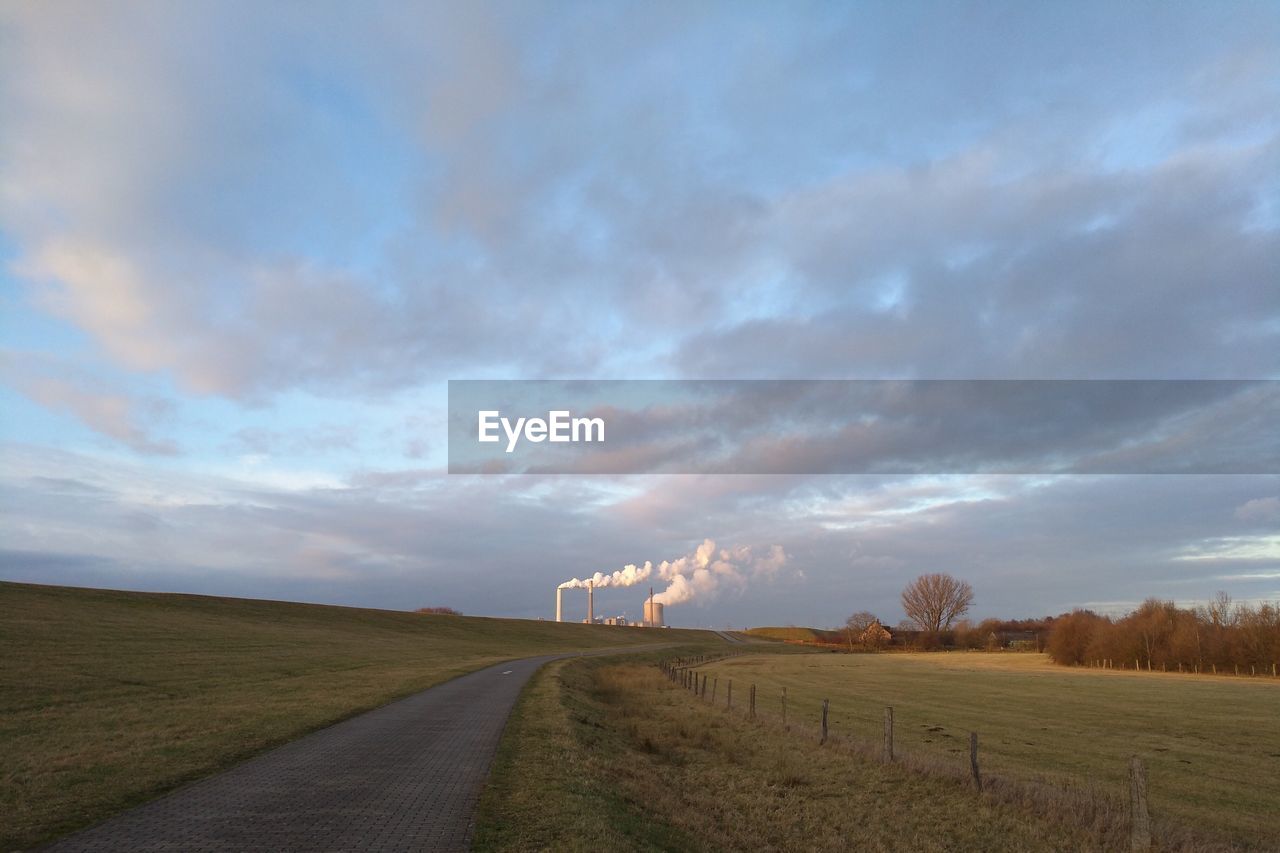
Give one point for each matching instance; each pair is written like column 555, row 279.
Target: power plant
column 654, row 612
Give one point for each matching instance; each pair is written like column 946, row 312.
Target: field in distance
column 793, row 634
column 109, row 698
column 1211, row 744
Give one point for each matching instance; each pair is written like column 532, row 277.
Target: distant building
column 875, row 635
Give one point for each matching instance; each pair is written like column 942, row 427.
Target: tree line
column 1218, row 636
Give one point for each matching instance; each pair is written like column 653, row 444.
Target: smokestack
column 591, row 602
column 559, row 604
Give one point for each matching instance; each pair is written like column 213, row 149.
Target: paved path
column 406, row 776
column 730, row 638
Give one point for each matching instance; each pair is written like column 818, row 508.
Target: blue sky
column 243, row 248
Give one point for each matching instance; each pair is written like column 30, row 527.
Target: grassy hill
column 110, row 698
column 793, row 634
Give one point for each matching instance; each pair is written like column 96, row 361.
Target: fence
column 685, row 673
column 1194, row 669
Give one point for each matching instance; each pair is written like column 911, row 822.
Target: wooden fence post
column 825, row 704
column 973, row 761
column 888, row 733
column 753, row 701
column 784, row 707
column 1140, row 817
column 715, row 685
column 728, row 703
column 704, row 687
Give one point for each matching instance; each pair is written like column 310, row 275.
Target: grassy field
column 1212, row 745
column 796, row 635
column 608, row 754
column 110, row 698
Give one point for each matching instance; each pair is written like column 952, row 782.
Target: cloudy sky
column 243, row 247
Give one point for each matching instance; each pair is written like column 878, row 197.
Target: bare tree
column 857, row 624
column 933, row 602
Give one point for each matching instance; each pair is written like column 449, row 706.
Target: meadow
column 1211, row 744
column 108, row 698
column 606, row 753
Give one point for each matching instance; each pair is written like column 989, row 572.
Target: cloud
column 62, row 386
column 324, row 216
column 1259, row 509
column 1028, row 545
column 232, row 200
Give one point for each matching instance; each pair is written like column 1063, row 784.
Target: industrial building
column 654, row 612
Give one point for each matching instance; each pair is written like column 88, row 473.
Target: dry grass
column 553, row 784
column 602, row 744
column 109, row 698
column 1054, row 738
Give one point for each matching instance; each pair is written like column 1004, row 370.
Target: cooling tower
column 653, row 614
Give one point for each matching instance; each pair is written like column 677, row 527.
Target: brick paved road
column 406, row 776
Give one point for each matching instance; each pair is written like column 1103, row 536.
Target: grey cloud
column 652, row 215
column 499, row 545
column 1173, row 282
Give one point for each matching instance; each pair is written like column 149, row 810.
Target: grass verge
column 608, row 752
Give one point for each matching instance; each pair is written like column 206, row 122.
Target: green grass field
column 110, row 698
column 1212, row 745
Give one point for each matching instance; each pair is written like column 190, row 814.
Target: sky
column 244, row 247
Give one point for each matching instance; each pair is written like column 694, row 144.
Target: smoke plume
column 701, row 574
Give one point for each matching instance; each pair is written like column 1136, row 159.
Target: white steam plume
column 700, row 574
column 628, row 575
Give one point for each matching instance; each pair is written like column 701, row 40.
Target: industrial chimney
column 559, row 604
column 591, row 602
